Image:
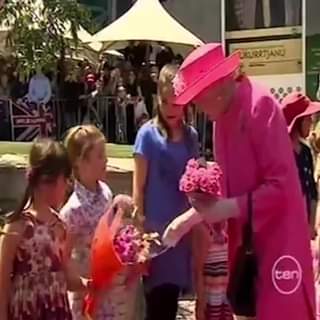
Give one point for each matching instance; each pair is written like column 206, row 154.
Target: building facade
column 202, row 17
column 290, row 26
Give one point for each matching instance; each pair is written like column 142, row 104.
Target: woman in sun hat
column 298, row 110
column 254, row 151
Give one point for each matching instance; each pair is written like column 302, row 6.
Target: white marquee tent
column 89, row 47
column 147, row 20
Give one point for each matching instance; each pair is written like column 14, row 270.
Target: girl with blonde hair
column 90, row 199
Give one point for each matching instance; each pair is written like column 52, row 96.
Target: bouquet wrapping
column 117, row 243
column 202, row 183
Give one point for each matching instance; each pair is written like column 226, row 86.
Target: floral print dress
column 81, row 214
column 39, row 288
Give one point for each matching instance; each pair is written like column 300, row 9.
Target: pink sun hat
column 201, row 69
column 297, row 105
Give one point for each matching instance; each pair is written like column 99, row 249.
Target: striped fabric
column 216, row 275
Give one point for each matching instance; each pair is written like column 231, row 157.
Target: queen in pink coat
column 253, row 148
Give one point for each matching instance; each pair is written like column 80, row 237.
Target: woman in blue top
column 162, row 148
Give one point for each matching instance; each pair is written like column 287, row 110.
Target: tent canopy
column 82, row 34
column 146, row 20
column 86, row 38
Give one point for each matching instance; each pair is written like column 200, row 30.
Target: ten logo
column 287, row 275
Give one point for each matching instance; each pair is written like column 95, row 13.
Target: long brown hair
column 165, row 86
column 48, row 160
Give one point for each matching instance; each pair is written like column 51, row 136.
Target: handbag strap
column 248, row 229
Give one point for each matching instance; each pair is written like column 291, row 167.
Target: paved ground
column 186, row 310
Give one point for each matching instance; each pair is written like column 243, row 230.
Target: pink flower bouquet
column 202, row 184
column 117, row 244
column 201, row 178
column 132, row 246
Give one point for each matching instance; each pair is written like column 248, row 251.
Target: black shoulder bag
column 241, row 290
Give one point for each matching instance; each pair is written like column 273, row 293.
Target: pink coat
column 255, row 153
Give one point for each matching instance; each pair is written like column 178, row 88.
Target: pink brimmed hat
column 202, row 68
column 297, row 105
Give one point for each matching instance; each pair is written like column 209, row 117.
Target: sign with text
column 274, row 57
column 267, row 33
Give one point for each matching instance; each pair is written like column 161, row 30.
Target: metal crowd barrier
column 116, row 121
column 103, row 111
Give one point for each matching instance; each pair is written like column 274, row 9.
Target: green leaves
column 38, row 28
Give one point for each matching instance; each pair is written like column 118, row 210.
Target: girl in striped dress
column 212, row 273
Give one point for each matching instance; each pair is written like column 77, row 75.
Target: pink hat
column 202, row 68
column 297, row 105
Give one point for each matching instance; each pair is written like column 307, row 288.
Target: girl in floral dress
column 34, row 270
column 90, row 199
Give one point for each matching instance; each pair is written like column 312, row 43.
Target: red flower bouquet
column 117, row 244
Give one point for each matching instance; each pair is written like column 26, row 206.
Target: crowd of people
column 45, row 246
column 117, row 93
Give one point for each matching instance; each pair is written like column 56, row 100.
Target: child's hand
column 124, row 203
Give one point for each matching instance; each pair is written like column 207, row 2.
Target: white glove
column 223, row 210
column 180, row 226
column 215, row 210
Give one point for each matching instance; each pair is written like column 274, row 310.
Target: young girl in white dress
column 90, row 199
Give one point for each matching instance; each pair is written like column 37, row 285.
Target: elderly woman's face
column 215, row 101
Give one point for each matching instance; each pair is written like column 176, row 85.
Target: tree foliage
column 41, row 30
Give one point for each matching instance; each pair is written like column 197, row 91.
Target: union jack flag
column 30, row 120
